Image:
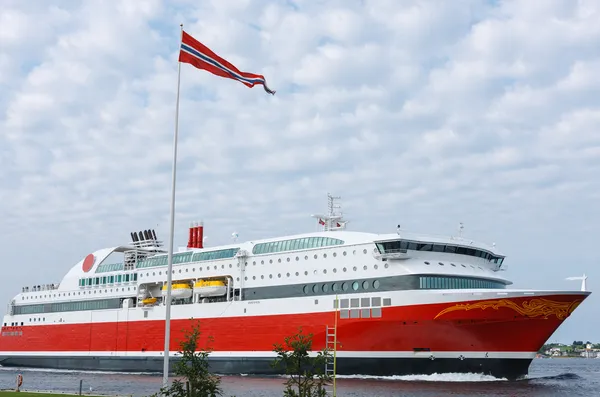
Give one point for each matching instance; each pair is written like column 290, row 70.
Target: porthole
column 463, row 265
column 386, row 265
column 324, row 271
column 261, row 262
column 376, row 284
column 375, row 267
column 334, row 254
column 354, row 268
column 365, row 285
column 279, row 260
column 315, row 288
column 334, row 270
column 237, row 279
column 246, row 278
column 200, row 268
column 287, row 275
column 153, row 273
column 305, row 257
column 344, row 253
column 279, row 275
column 159, row 273
column 288, row 259
column 216, row 266
column 427, row 263
column 440, row 263
column 306, row 273
column 344, row 286
column 452, row 264
column 297, row 259
column 334, row 287
column 315, row 256
column 324, row 255
column 245, row 264
column 270, row 260
column 365, row 267
column 194, row 269
column 253, row 263
column 262, row 276
column 297, row 274
column 353, row 252
column 222, row 266
column 305, row 289
column 355, row 286
column 179, row 270
column 325, row 288
column 344, row 269
column 187, row 270
column 270, row 276
column 364, row 251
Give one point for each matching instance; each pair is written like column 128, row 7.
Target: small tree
column 193, row 368
column 307, row 375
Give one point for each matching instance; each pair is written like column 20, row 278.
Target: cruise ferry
column 405, row 304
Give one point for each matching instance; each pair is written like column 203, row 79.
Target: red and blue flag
column 200, row 56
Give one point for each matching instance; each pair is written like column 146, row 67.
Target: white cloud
column 424, row 114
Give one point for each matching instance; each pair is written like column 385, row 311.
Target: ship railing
column 41, row 287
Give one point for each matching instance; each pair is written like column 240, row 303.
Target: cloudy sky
column 425, row 114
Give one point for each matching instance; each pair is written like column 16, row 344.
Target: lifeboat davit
column 178, row 291
column 210, row 288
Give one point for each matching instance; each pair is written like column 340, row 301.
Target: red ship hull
column 492, row 336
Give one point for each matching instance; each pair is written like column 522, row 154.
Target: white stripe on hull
column 267, row 354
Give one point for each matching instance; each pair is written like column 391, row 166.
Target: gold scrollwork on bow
column 533, row 308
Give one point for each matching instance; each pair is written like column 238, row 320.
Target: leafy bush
column 307, row 375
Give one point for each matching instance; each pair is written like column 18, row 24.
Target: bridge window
column 388, row 247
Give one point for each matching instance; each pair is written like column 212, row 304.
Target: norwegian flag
column 200, row 56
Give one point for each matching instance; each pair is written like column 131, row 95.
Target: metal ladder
column 331, row 346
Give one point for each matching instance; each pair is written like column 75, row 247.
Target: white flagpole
column 170, row 252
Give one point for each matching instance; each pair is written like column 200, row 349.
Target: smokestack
column 200, row 234
column 190, row 243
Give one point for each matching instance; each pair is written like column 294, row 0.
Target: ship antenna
column 460, row 229
column 333, row 220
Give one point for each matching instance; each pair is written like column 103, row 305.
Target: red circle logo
column 88, row 263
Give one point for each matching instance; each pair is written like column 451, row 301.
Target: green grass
column 31, row 394
column 37, row 394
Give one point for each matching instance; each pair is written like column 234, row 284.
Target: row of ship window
column 343, row 286
column 433, row 282
column 119, row 278
column 98, row 304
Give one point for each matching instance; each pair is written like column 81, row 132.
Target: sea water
column 573, row 377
